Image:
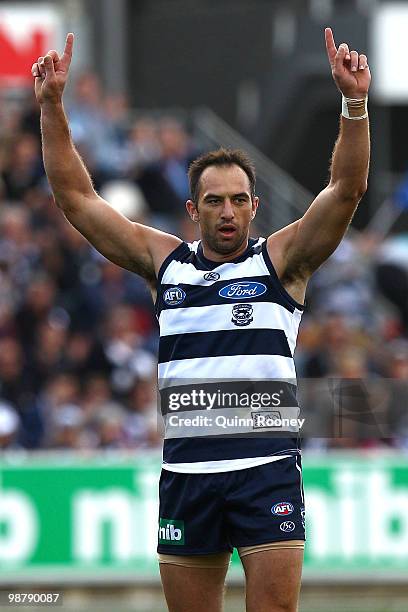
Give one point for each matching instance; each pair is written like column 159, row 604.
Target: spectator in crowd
column 392, row 273
column 108, row 425
column 143, row 145
column 396, row 367
column 141, row 425
column 9, row 427
column 23, row 168
column 66, row 429
column 164, row 181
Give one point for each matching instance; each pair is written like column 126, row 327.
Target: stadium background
column 153, row 83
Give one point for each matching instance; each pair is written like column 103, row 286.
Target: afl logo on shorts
column 287, row 526
column 282, row 509
column 211, row 276
column 242, row 291
column 174, row 296
column 242, row 314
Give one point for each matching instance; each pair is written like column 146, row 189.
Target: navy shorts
column 211, row 513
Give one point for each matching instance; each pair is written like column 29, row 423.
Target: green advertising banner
column 96, row 519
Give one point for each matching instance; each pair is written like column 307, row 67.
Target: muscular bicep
column 131, row 245
column 314, row 237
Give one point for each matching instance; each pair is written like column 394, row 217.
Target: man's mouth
column 227, row 230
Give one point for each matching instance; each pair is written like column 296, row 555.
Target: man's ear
column 255, row 204
column 192, row 211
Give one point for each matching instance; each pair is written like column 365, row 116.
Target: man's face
column 224, row 210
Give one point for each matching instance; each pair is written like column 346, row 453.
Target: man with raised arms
column 229, row 307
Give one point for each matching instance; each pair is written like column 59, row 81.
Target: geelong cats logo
column 242, row 314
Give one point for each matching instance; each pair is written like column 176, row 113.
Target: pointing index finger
column 330, row 45
column 69, row 43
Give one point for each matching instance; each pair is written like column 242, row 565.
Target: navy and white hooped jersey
column 231, row 321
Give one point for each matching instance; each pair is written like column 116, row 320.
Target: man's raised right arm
column 131, row 245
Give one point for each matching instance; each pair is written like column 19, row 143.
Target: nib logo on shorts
column 171, row 531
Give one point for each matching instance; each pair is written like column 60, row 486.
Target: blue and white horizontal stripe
column 200, row 339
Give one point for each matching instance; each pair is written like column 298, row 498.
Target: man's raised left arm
column 300, row 248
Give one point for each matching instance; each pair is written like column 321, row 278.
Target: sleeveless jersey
column 231, row 321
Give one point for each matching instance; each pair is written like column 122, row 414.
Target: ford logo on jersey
column 282, row 509
column 242, row 290
column 174, row 296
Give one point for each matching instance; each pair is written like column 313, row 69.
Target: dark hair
column 221, row 157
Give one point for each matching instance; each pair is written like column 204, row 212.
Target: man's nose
column 228, row 209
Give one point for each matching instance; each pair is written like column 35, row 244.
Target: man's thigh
column 273, row 579
column 199, row 589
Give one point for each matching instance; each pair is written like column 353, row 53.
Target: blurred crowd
column 78, row 335
column 354, row 338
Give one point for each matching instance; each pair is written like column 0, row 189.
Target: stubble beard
column 225, row 247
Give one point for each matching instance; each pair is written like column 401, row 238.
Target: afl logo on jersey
column 211, row 276
column 282, row 509
column 242, row 290
column 242, row 314
column 174, row 296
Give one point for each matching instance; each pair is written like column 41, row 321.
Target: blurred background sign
column 76, row 520
column 26, row 32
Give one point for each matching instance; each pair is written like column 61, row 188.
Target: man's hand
column 349, row 69
column 51, row 73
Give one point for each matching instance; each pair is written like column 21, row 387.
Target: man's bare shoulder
column 288, row 265
column 278, row 245
column 160, row 245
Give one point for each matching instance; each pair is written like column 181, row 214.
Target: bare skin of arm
column 133, row 246
column 300, row 248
